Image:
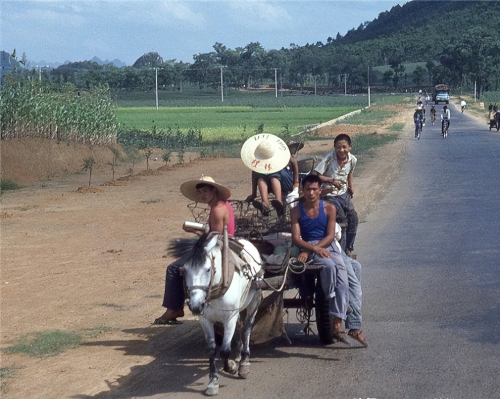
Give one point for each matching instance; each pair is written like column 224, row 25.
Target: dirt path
column 93, row 262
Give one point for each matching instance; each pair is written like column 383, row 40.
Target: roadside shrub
column 8, row 184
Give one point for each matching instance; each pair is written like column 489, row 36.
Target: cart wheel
column 323, row 320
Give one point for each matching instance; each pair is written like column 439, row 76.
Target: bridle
column 205, row 288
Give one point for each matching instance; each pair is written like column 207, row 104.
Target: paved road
column 433, row 278
column 431, row 288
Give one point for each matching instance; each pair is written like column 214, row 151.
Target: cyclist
column 462, row 105
column 445, row 120
column 433, row 114
column 418, row 118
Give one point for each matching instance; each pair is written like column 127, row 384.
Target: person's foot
column 339, row 336
column 358, row 336
column 278, row 206
column 169, row 317
column 348, row 252
column 263, row 208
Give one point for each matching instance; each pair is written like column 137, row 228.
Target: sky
column 78, row 30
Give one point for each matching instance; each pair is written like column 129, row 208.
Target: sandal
column 339, row 336
column 358, row 336
column 261, row 207
column 278, row 206
column 161, row 320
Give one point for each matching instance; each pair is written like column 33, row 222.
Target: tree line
column 450, row 42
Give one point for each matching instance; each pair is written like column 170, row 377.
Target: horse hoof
column 243, row 371
column 231, row 367
column 212, row 390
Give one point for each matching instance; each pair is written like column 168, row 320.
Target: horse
column 206, row 263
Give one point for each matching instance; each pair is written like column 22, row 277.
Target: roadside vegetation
column 8, row 184
column 31, row 109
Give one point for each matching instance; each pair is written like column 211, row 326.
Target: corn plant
column 32, row 109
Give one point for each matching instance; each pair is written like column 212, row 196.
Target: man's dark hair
column 342, row 136
column 311, row 178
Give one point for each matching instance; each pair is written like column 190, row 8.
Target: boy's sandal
column 339, row 336
column 278, row 206
column 358, row 336
column 260, row 206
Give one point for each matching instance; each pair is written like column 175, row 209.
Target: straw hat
column 188, row 188
column 265, row 153
column 295, row 147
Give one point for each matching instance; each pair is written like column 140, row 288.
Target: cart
column 288, row 284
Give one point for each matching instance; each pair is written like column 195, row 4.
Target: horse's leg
column 225, row 350
column 213, row 382
column 252, row 308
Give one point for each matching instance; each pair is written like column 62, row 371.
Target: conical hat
column 265, row 153
column 188, row 188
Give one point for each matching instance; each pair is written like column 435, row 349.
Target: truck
column 441, row 94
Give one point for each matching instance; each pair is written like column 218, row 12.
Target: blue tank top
column 313, row 229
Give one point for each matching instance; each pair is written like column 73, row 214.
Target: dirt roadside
column 93, row 261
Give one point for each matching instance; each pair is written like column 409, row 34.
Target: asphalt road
column 431, row 286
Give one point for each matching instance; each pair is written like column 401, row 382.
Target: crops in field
column 30, row 109
column 229, row 122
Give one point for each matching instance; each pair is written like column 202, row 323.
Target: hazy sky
column 78, row 30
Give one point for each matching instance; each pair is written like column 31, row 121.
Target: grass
column 5, row 374
column 45, row 344
column 396, row 127
column 193, row 97
column 8, row 184
column 51, row 343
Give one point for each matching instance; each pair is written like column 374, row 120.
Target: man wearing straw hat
column 207, row 191
column 274, row 169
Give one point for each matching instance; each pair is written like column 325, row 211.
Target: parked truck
column 441, row 94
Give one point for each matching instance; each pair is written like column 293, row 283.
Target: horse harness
column 214, row 291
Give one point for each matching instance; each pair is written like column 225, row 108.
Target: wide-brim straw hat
column 295, row 146
column 188, row 188
column 265, row 153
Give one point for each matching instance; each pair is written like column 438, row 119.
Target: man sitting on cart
column 313, row 231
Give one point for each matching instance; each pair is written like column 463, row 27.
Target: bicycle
column 445, row 124
column 433, row 118
column 418, row 129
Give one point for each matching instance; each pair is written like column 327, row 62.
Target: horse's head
column 200, row 259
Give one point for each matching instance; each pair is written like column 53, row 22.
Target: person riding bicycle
column 418, row 118
column 433, row 113
column 463, row 104
column 446, row 116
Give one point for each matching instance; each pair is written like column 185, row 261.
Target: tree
column 418, row 75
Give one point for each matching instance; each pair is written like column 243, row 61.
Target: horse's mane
column 189, row 249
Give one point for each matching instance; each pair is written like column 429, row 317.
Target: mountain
column 115, row 62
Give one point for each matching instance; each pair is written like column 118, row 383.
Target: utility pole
column 315, row 84
column 156, row 86
column 345, row 84
column 276, row 82
column 221, row 85
column 369, row 102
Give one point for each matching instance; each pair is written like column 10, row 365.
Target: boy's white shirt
column 329, row 167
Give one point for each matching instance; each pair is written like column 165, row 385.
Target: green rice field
column 229, row 122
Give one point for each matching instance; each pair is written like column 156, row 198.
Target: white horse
column 218, row 296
